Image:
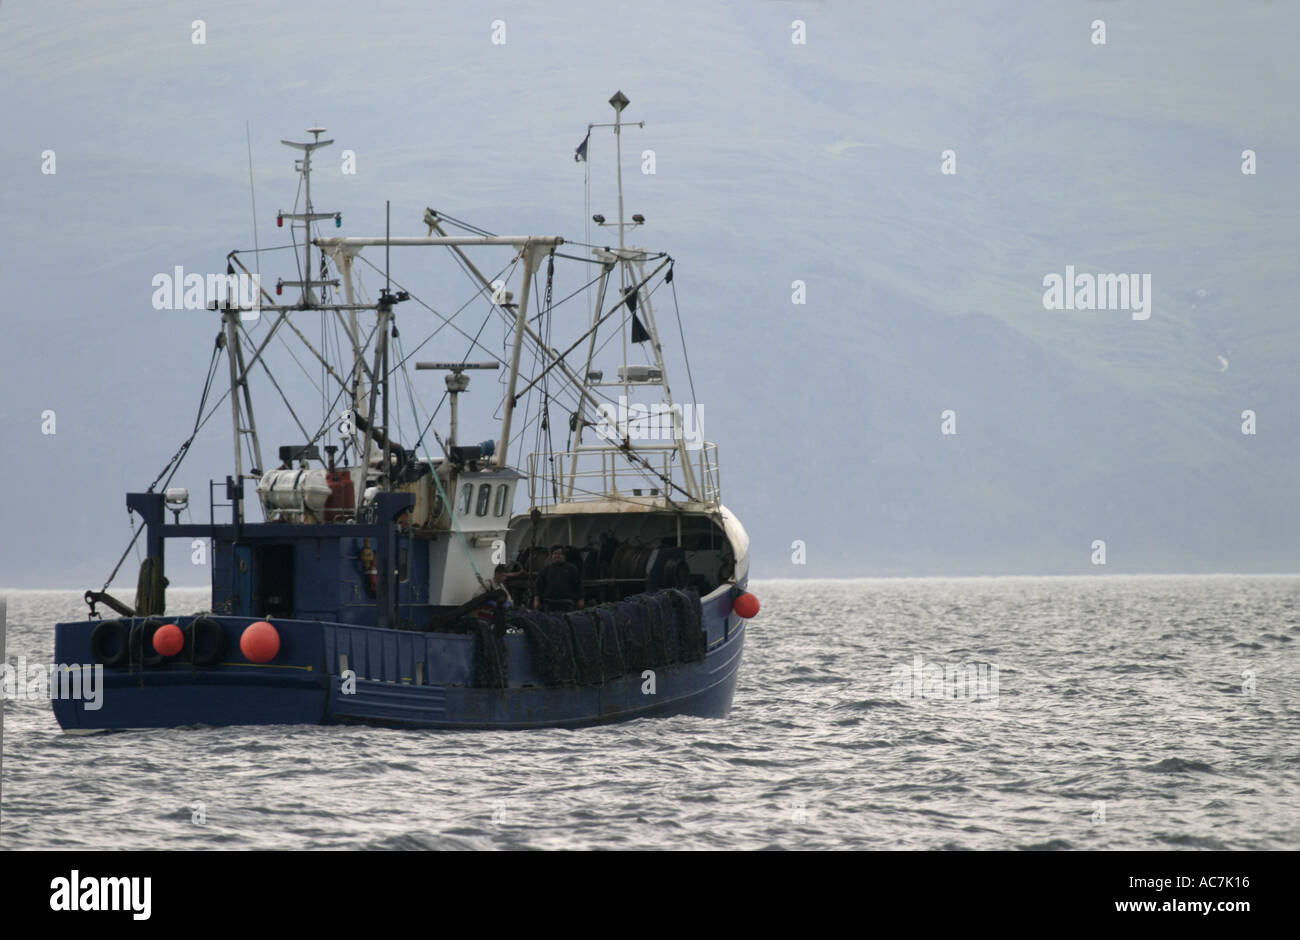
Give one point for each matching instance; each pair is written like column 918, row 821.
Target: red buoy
column 168, row 640
column 745, row 604
column 259, row 642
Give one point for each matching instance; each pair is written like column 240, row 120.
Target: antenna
column 618, row 102
column 386, row 296
column 303, row 166
column 257, row 250
column 457, row 382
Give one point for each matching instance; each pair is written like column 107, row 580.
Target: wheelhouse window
column 503, row 495
column 466, row 495
column 484, row 497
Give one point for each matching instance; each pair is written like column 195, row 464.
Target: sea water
column 987, row 713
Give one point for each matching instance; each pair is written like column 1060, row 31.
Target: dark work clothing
column 560, row 581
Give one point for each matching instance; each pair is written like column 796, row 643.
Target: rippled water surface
column 1151, row 712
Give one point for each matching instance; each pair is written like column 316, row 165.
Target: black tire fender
column 215, row 641
column 102, row 639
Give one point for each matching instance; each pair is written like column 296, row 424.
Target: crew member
column 559, row 586
column 499, row 583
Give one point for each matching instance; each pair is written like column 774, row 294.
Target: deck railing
column 603, row 471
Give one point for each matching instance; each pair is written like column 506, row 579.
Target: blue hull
column 333, row 673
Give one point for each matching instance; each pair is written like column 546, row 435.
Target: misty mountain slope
column 775, row 163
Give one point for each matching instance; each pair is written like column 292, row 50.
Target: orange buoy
column 745, row 604
column 259, row 642
column 168, row 640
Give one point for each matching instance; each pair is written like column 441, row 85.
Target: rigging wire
column 447, row 321
column 465, row 226
column 284, row 398
column 252, row 193
column 575, row 293
column 680, row 332
column 635, row 459
column 474, row 341
column 442, row 493
column 542, row 418
column 294, row 238
column 256, row 251
column 175, row 463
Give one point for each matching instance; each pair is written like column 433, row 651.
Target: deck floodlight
column 176, row 498
column 638, row 218
column 598, row 219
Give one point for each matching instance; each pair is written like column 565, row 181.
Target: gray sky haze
column 776, row 161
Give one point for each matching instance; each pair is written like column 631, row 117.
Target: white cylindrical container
column 294, row 490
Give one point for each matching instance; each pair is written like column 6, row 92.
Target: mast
column 307, row 299
column 619, row 102
column 521, row 322
column 230, row 323
column 303, row 166
column 631, row 268
column 343, row 260
column 241, row 402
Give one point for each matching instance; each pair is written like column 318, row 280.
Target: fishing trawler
column 395, row 580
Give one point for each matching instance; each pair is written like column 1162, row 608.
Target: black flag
column 581, row 153
column 639, row 334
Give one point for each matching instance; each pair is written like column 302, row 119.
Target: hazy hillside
column 775, row 162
